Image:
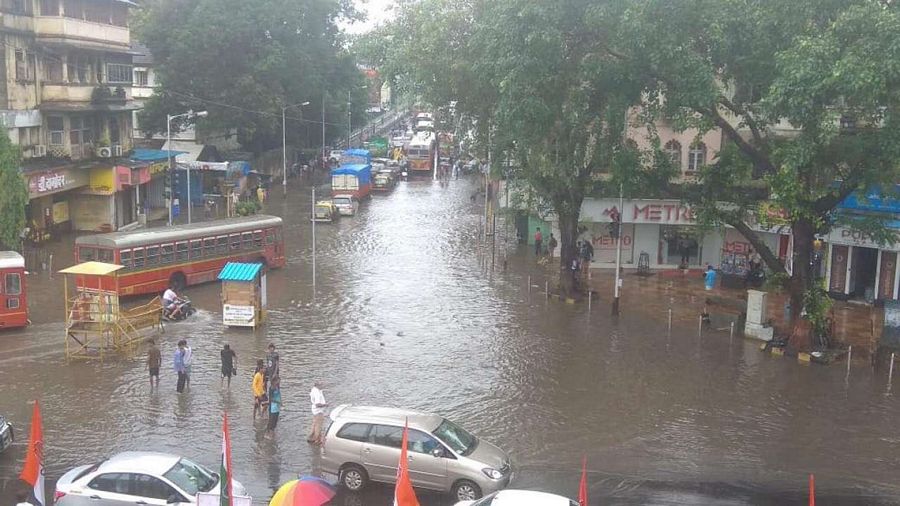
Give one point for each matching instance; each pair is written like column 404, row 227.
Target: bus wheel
column 178, row 281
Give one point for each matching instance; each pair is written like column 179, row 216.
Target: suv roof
column 395, row 416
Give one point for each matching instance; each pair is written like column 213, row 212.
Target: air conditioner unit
column 117, row 150
column 38, row 151
column 104, row 152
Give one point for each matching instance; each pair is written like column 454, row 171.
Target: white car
column 335, row 155
column 345, row 204
column 146, row 478
column 520, row 498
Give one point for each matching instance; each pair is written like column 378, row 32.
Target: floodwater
column 403, row 315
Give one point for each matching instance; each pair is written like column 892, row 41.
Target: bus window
column 168, row 253
column 277, row 234
column 152, row 255
column 209, row 246
column 13, row 284
column 247, row 239
column 181, row 251
column 125, row 258
column 105, row 255
column 258, row 238
column 222, row 244
column 197, row 248
column 86, row 254
column 270, row 236
column 235, row 242
column 138, row 255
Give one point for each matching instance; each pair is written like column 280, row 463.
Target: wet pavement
column 403, row 315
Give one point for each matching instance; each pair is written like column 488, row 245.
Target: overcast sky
column 377, row 12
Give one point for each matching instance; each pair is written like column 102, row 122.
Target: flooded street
column 403, row 316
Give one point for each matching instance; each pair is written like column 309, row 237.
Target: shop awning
column 153, row 155
column 92, row 269
column 236, row 271
column 190, row 150
column 71, row 106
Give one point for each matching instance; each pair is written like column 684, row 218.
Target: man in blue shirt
column 274, row 405
column 710, row 278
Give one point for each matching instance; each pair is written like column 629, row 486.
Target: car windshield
column 191, row 477
column 342, row 202
column 456, row 437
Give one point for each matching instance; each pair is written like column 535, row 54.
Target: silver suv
column 362, row 444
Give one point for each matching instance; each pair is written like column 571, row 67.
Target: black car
column 6, row 434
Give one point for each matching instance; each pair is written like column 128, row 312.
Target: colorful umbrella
column 305, row 491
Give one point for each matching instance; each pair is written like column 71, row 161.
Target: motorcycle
column 179, row 311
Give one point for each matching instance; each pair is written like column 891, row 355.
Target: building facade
column 65, row 99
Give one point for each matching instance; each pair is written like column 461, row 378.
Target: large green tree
column 14, row 196
column 806, row 95
column 242, row 61
column 529, row 75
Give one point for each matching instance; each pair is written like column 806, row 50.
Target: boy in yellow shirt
column 259, row 389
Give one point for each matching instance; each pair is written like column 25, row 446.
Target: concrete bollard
column 50, row 269
column 590, row 297
column 547, row 289
column 849, row 358
column 891, row 373
column 699, row 325
column 670, row 320
column 731, row 334
column 529, row 284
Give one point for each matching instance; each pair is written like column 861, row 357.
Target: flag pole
column 33, row 471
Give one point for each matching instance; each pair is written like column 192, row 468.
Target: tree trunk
column 802, row 280
column 568, row 234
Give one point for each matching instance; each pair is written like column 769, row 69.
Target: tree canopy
column 14, row 196
column 243, row 61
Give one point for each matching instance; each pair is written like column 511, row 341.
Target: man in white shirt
column 318, row 405
column 188, row 362
column 170, row 302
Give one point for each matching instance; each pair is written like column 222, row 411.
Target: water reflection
column 402, row 316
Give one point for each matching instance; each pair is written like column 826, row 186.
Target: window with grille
column 21, row 65
column 696, row 156
column 56, row 128
column 140, row 78
column 118, row 73
column 673, row 149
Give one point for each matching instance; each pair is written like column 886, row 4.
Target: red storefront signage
column 123, row 177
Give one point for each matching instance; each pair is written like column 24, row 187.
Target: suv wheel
column 353, row 477
column 465, row 490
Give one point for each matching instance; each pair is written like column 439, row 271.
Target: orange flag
column 33, row 472
column 404, row 495
column 582, row 488
column 812, row 490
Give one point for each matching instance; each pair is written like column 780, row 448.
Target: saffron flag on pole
column 225, row 498
column 33, row 472
column 582, row 487
column 812, row 490
column 404, row 495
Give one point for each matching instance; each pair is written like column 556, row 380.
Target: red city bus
column 185, row 254
column 13, row 302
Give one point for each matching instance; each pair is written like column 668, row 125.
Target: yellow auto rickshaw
column 325, row 212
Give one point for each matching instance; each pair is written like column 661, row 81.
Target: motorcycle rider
column 172, row 302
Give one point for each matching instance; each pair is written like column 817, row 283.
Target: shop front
column 663, row 231
column 860, row 268
column 51, row 194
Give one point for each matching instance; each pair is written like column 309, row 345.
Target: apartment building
column 66, row 99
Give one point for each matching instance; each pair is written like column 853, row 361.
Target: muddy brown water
column 404, row 316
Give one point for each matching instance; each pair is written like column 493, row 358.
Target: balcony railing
column 63, row 27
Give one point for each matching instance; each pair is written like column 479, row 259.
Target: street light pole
column 349, row 128
column 169, row 156
column 169, row 118
column 284, row 144
column 615, row 307
column 313, row 206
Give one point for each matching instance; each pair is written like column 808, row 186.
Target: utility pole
column 313, row 207
column 349, row 128
column 615, row 306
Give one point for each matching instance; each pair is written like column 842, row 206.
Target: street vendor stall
column 243, row 294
